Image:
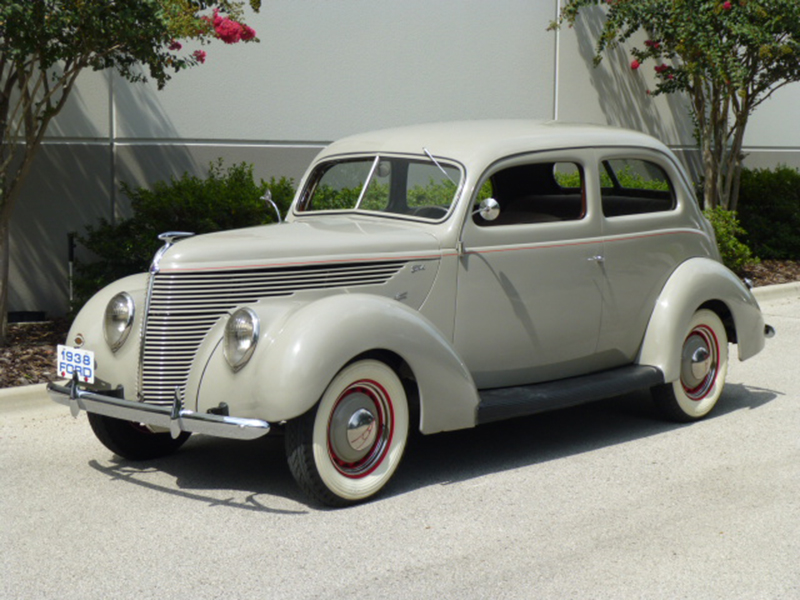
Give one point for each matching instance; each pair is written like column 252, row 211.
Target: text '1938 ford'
column 434, row 277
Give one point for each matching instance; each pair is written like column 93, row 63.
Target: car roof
column 486, row 141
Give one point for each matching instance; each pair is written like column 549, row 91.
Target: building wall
column 324, row 70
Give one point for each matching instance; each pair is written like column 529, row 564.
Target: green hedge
column 769, row 209
column 228, row 198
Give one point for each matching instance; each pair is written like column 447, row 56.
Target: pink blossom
column 229, row 31
column 726, row 6
column 661, row 68
column 175, row 45
column 248, row 33
column 635, row 64
column 217, row 20
column 652, row 44
column 199, row 56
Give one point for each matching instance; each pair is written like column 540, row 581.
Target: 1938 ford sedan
column 435, row 277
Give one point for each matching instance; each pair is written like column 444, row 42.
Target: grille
column 184, row 306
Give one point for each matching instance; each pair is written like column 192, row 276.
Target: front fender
column 303, row 345
column 112, row 368
column 696, row 282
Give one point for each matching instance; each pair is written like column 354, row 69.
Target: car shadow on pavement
column 246, row 475
column 218, row 472
column 462, row 455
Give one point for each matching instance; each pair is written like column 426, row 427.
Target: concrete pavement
column 600, row 501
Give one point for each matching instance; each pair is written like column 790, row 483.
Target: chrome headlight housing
column 118, row 320
column 241, row 337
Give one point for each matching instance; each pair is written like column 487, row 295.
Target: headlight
column 118, row 320
column 241, row 337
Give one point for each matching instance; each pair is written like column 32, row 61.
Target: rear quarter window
column 632, row 186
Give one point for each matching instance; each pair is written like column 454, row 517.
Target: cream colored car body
column 467, row 307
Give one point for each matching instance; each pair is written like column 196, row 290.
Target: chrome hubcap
column 359, row 429
column 699, row 362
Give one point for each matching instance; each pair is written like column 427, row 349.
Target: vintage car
column 434, row 277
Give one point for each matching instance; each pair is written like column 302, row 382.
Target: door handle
column 598, row 259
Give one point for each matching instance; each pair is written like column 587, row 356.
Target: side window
column 536, row 193
column 631, row 186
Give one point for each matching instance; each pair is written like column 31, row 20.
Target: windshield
column 397, row 185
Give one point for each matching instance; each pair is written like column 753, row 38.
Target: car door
column 528, row 300
column 647, row 234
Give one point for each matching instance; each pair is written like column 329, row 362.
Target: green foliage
column 434, row 193
column 735, row 254
column 631, row 180
column 46, row 44
column 327, row 197
column 626, row 176
column 769, row 204
column 226, row 199
column 727, row 56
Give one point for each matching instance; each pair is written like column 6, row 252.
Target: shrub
column 226, row 199
column 769, row 206
column 735, row 254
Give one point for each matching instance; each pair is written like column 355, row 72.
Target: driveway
column 599, row 501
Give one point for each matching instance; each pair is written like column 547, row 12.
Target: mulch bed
column 769, row 272
column 30, row 355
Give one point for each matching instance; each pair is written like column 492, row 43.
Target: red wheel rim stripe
column 699, row 392
column 383, row 405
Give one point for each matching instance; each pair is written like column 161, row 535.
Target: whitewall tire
column 704, row 366
column 348, row 447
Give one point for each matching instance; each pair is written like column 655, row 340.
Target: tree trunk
column 5, row 264
column 735, row 174
column 8, row 197
column 710, row 167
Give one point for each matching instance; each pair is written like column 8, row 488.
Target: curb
column 780, row 291
column 36, row 389
column 24, row 397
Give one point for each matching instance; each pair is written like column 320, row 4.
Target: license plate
column 72, row 361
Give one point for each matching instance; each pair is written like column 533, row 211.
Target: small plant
column 735, row 254
column 228, row 198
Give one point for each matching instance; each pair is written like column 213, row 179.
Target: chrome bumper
column 174, row 418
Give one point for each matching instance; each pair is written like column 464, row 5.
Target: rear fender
column 695, row 283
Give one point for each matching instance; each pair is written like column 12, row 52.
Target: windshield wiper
column 436, row 162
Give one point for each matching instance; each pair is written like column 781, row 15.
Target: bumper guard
column 174, row 418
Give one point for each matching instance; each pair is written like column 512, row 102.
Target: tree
column 727, row 56
column 46, row 44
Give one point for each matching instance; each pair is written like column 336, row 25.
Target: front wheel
column 133, row 441
column 347, row 448
column 704, row 365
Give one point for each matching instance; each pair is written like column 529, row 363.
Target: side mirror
column 489, row 209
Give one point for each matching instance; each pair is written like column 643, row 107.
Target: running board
column 506, row 403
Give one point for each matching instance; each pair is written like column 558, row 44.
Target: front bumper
column 174, row 418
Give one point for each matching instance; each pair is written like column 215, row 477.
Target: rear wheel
column 704, row 365
column 132, row 440
column 349, row 445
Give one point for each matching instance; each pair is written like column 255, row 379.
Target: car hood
column 317, row 240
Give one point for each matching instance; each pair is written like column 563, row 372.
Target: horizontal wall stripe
column 182, row 142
